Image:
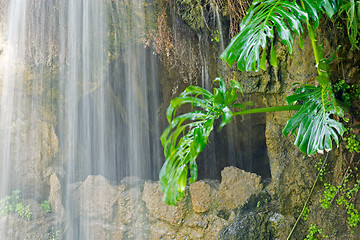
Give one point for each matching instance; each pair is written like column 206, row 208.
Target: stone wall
column 135, row 210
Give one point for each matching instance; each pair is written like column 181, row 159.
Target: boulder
column 95, row 198
column 250, row 225
column 163, row 231
column 129, row 206
column 236, row 187
column 201, row 196
column 152, row 196
column 55, row 197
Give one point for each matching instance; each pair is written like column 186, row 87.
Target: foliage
column 257, row 27
column 23, row 211
column 352, row 10
column 349, row 94
column 56, row 235
column 46, row 206
column 343, row 90
column 346, row 192
column 314, row 230
column 305, row 213
column 215, row 36
column 313, row 124
column 352, row 143
column 14, row 204
column 315, row 8
column 319, row 102
column 316, row 129
column 188, row 133
column 328, row 195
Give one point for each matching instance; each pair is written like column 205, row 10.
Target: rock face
column 95, row 198
column 135, row 210
column 236, row 187
column 250, row 225
column 37, row 225
column 201, row 196
column 152, row 196
column 36, row 146
column 55, row 196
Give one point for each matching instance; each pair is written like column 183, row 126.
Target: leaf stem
column 318, row 52
column 268, row 109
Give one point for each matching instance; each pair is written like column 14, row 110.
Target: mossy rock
column 191, row 12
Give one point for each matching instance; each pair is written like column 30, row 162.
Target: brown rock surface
column 95, row 198
column 237, row 186
column 152, row 196
column 55, row 197
column 201, row 196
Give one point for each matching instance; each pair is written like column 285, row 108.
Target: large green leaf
column 188, row 133
column 258, row 26
column 316, row 129
column 314, row 7
column 329, row 7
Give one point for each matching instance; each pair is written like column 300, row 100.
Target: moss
column 191, row 11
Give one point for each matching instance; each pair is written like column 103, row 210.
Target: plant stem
column 318, row 51
column 268, row 109
column 308, row 198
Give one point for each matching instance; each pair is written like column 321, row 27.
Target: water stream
column 81, row 95
column 75, row 75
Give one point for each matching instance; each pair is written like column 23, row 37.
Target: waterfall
column 79, row 97
column 84, row 86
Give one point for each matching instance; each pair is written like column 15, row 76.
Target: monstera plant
column 315, row 129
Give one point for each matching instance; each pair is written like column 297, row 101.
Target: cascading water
column 75, row 73
column 81, row 100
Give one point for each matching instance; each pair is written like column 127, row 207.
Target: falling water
column 80, row 96
column 77, row 92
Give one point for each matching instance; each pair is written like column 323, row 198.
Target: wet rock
column 97, row 230
column 55, row 197
column 191, row 233
column 152, row 196
column 36, row 145
column 94, row 203
column 201, row 196
column 119, row 232
column 137, row 230
column 214, row 227
column 131, row 181
column 130, row 213
column 95, row 198
column 14, row 226
column 281, row 225
column 163, row 231
column 237, row 186
column 196, row 220
column 249, row 225
column 129, row 206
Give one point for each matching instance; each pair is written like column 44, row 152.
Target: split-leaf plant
column 313, row 124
